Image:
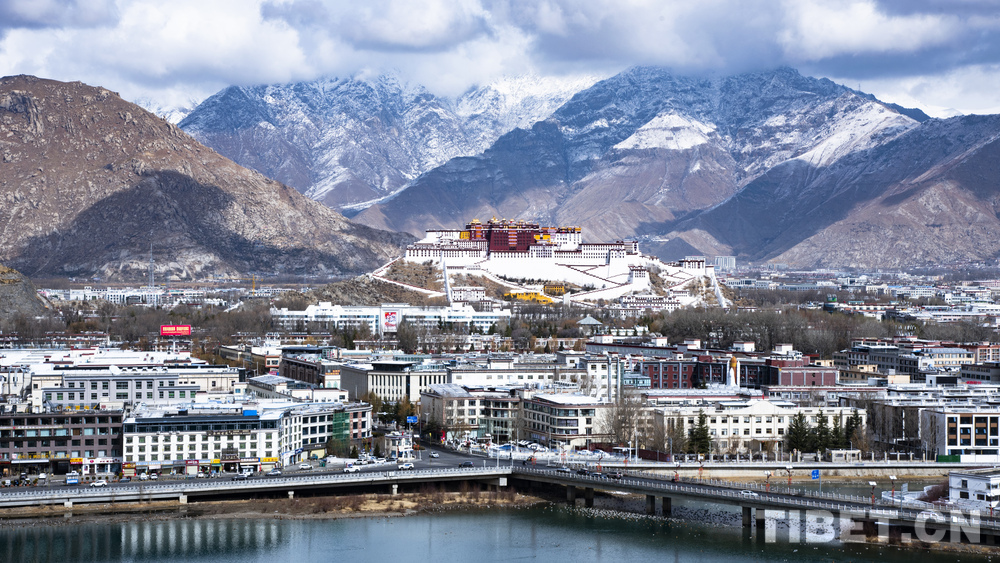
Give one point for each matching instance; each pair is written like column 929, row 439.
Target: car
column 200, row 475
column 125, row 480
column 434, row 454
column 143, row 477
column 597, row 475
column 615, row 474
column 748, row 494
column 564, row 469
column 240, row 477
column 305, row 466
column 99, row 483
column 467, row 464
column 405, row 466
column 274, row 473
column 154, row 476
column 352, row 469
column 583, row 471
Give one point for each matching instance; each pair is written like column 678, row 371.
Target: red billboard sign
column 175, row 330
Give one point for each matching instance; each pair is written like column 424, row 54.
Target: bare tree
column 620, row 419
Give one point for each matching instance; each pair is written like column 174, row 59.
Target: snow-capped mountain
column 637, row 152
column 347, row 142
column 171, row 113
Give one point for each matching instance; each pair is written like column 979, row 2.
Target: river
column 549, row 533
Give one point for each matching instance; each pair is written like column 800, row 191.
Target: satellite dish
column 994, row 503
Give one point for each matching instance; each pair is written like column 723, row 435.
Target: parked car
column 351, row 469
column 467, row 464
column 200, row 475
column 154, row 476
column 305, row 466
column 274, row 473
column 749, row 494
column 142, row 476
column 125, row 480
column 405, row 466
column 99, row 483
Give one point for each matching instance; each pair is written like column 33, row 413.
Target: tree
column 821, row 433
column 799, row 434
column 620, row 419
column 407, row 336
column 853, row 423
column 837, row 438
column 699, row 437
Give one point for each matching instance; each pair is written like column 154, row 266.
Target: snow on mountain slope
column 346, row 142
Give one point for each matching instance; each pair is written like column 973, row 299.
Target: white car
column 305, row 466
column 405, row 466
column 144, row 476
column 200, row 475
column 352, row 469
column 749, row 494
column 434, row 454
column 99, row 483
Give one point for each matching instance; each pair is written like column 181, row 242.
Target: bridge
column 874, row 517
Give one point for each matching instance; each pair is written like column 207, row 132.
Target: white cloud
column 188, row 48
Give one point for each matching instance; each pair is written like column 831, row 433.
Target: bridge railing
column 832, row 502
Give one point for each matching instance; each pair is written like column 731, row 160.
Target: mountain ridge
column 90, row 181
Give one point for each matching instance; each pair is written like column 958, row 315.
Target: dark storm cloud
column 384, row 25
column 38, row 14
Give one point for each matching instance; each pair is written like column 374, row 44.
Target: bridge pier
column 291, row 494
column 68, row 503
column 651, row 505
column 746, row 517
column 571, row 495
column 588, row 497
column 666, row 507
column 182, row 498
column 759, row 524
column 395, row 489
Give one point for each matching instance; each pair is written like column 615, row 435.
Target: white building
column 386, row 318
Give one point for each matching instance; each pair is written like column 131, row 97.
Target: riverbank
column 323, row 507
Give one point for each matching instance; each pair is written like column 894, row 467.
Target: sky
column 942, row 56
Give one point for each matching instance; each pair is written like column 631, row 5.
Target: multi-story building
column 564, row 420
column 469, row 413
column 749, row 426
column 239, row 437
column 963, row 433
column 89, row 441
column 391, row 380
column 386, row 318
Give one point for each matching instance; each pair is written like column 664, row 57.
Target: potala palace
column 518, row 250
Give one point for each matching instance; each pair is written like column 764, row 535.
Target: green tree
column 821, row 433
column 799, row 434
column 837, row 439
column 699, row 437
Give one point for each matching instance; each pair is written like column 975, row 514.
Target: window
column 121, row 385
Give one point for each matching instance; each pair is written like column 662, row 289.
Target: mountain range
column 350, row 141
column 93, row 185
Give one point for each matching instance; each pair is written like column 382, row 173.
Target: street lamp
column 892, row 479
column 767, row 481
column 872, row 483
column 788, row 468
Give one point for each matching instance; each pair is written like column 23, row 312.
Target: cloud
column 38, row 14
column 190, row 48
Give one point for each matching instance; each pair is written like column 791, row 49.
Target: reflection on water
column 550, row 533
column 167, row 540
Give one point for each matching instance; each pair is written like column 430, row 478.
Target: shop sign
column 250, row 460
column 75, row 460
column 269, row 460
